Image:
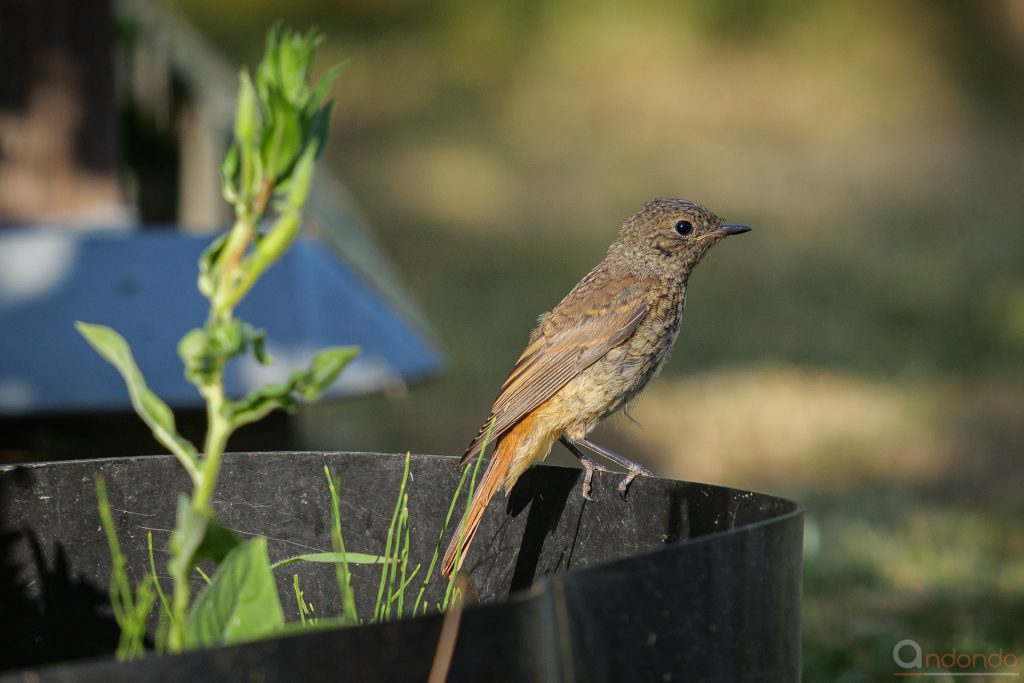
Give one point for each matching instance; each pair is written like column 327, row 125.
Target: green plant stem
column 243, row 232
column 217, row 433
column 274, row 243
column 179, row 607
column 219, row 426
column 218, row 430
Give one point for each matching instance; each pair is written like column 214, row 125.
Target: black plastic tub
column 676, row 582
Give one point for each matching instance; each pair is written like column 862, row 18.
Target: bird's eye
column 684, row 228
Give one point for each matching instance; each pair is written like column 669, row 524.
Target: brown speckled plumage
column 597, row 349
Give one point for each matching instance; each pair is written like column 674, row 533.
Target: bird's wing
column 594, row 318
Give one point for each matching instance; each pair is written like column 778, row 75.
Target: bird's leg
column 589, row 466
column 635, row 470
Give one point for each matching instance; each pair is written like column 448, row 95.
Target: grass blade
column 156, row 580
column 130, row 611
column 405, row 558
column 451, row 588
column 387, row 574
column 307, row 614
column 444, row 527
column 332, row 558
column 348, row 600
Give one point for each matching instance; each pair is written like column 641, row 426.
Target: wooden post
column 58, row 136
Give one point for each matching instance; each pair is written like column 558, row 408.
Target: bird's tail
column 494, row 476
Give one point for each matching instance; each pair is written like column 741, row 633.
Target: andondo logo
column 910, row 656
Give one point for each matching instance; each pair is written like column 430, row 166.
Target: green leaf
column 198, row 354
column 323, row 85
column 229, row 175
column 332, row 558
column 261, row 402
column 248, row 131
column 290, row 63
column 197, row 536
column 275, row 242
column 309, row 383
column 302, row 177
column 258, row 339
column 267, row 72
column 153, row 411
column 323, row 371
column 295, row 61
column 246, row 116
column 283, row 139
column 207, row 265
column 240, row 604
column 217, row 542
column 205, row 349
column 309, row 44
column 318, row 128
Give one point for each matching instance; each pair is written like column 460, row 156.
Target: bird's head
column 670, row 236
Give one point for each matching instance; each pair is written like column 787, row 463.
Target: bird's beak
column 727, row 229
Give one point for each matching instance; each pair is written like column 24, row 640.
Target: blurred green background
column 861, row 351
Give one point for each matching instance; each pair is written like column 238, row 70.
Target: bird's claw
column 589, row 467
column 634, row 472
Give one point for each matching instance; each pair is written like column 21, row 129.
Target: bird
column 592, row 354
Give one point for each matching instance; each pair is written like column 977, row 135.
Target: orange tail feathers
column 494, row 476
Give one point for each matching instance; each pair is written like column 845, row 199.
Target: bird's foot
column 634, row 472
column 635, row 469
column 589, row 466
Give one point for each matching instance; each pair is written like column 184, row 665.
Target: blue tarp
column 143, row 284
